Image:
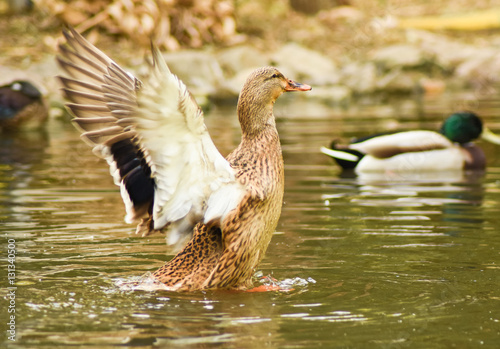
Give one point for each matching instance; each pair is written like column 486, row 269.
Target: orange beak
column 296, row 86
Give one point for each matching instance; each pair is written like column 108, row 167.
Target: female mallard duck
column 20, row 103
column 171, row 175
column 452, row 149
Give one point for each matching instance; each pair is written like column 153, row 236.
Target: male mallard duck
column 171, row 175
column 451, row 149
column 20, row 103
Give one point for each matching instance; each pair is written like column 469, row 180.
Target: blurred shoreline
column 346, row 49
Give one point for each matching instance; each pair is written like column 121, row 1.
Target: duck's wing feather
column 389, row 145
column 154, row 138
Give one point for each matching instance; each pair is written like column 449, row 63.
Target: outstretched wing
column 154, row 138
column 389, row 145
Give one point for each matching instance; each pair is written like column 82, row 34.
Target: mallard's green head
column 462, row 127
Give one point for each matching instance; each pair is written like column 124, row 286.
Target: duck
column 21, row 103
column 172, row 178
column 450, row 149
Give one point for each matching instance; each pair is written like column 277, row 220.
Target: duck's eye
column 275, row 75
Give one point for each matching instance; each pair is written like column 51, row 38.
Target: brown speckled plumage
column 244, row 199
column 228, row 260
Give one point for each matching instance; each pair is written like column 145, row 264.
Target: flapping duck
column 171, row 176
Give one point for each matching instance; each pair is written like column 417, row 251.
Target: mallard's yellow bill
column 489, row 136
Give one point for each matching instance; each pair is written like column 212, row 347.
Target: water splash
column 286, row 284
column 146, row 282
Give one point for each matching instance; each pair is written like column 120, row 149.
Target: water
column 385, row 262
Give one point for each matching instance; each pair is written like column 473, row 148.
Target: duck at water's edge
column 451, row 149
column 21, row 104
column 172, row 177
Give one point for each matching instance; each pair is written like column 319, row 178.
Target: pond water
column 388, row 262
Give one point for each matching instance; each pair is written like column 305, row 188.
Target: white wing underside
column 188, row 168
column 193, row 181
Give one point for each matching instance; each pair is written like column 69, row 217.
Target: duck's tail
column 345, row 158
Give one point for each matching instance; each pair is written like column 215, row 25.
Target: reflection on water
column 369, row 261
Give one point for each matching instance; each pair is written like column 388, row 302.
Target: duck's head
column 266, row 84
column 24, row 87
column 16, row 96
column 465, row 126
column 259, row 93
